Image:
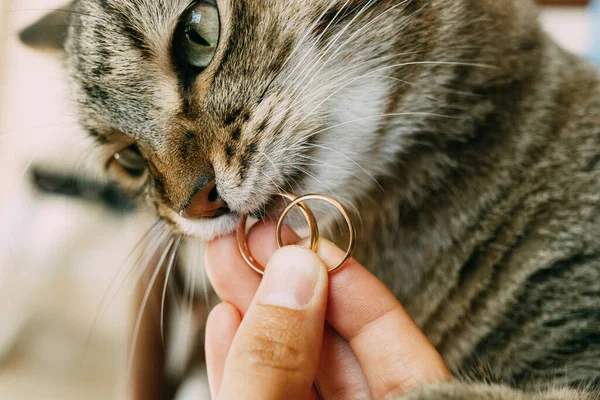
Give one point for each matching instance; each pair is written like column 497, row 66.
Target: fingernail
column 290, row 278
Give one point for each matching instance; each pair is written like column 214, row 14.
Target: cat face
column 210, row 109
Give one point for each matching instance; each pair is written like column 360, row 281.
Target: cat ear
column 49, row 33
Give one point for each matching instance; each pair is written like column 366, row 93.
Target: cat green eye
column 199, row 34
column 131, row 161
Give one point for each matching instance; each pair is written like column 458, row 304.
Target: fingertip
column 329, row 252
column 262, row 240
column 294, row 278
column 223, row 315
column 216, row 255
column 216, row 250
column 331, row 255
column 280, row 338
column 229, row 274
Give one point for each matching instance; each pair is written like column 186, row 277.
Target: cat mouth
column 205, row 229
column 222, row 223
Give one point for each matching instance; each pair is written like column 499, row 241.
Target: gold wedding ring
column 243, row 242
column 336, row 204
column 312, row 225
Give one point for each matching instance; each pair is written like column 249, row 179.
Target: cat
column 466, row 142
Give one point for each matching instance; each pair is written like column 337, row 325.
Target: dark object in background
column 54, row 26
column 107, row 194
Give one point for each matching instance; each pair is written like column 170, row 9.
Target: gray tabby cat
column 467, row 141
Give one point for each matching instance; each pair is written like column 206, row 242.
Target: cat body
column 496, row 256
column 464, row 139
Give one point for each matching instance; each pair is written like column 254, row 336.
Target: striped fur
column 482, row 134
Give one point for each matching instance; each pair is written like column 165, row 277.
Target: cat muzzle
column 206, row 203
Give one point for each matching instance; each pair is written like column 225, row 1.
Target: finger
column 233, row 280
column 221, row 327
column 340, row 376
column 394, row 354
column 275, row 353
column 263, row 242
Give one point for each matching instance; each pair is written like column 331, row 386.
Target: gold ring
column 243, row 243
column 339, row 206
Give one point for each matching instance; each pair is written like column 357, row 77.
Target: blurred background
column 63, row 326
column 58, row 256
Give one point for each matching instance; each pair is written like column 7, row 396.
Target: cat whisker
column 84, row 157
column 437, row 89
column 346, row 42
column 307, row 173
column 319, row 163
column 311, row 66
column 140, row 268
column 339, row 198
column 370, row 60
column 197, row 263
column 401, row 114
column 312, row 134
column 351, row 160
column 286, row 183
column 406, row 21
column 107, row 300
column 336, row 197
column 301, row 147
column 155, row 239
column 302, row 40
column 160, row 237
column 138, row 321
column 37, row 153
column 188, row 297
column 170, row 265
column 384, row 57
column 78, row 167
column 175, row 295
column 279, row 188
column 369, row 74
column 315, row 42
column 268, row 159
column 305, row 74
column 188, row 287
column 347, row 73
column 30, row 162
column 205, row 281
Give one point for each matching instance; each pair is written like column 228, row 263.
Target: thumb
column 275, row 353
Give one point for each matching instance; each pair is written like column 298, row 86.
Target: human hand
column 263, row 342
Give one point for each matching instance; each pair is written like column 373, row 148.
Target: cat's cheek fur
column 351, row 147
column 358, row 113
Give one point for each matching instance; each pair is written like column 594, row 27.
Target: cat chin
column 201, row 229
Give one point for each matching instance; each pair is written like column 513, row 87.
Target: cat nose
column 206, row 203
